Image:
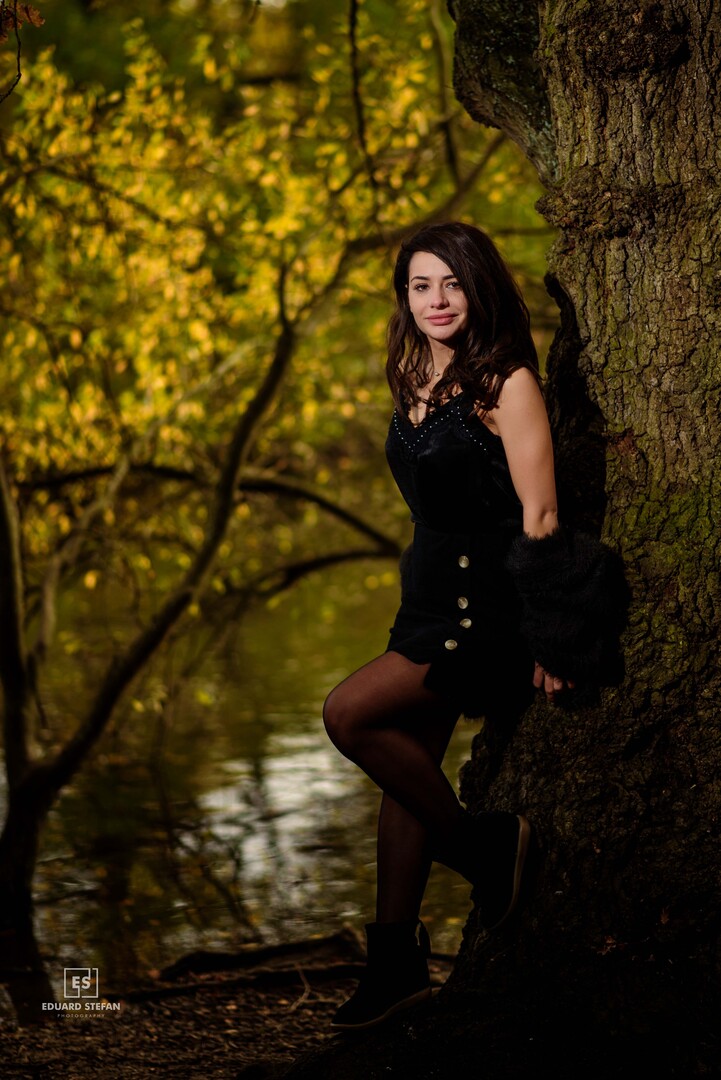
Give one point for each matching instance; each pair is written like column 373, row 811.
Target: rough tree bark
column 614, row 963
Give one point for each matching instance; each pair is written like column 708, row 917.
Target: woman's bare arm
column 522, row 422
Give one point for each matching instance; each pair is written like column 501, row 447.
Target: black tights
column 384, row 719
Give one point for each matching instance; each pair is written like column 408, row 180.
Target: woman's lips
column 440, row 320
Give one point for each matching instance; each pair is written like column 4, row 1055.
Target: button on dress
column 459, row 608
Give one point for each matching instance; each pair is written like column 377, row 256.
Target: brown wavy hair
column 496, row 340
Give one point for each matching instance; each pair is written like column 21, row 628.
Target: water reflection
column 223, row 814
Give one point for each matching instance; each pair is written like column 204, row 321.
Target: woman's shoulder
column 519, row 392
column 523, row 381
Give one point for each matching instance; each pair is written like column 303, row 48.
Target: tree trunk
column 22, row 968
column 614, row 962
column 625, row 794
column 18, row 854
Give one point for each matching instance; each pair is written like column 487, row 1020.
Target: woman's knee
column 340, row 719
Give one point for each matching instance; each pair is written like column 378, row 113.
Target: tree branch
column 284, row 576
column 376, row 240
column 101, row 187
column 124, row 669
column 66, row 555
column 292, row 488
column 57, row 481
column 497, row 75
column 12, row 17
column 71, row 545
column 13, row 660
column 444, row 81
column 266, row 483
column 358, row 105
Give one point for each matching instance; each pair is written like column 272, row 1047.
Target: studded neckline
column 439, row 415
column 434, row 412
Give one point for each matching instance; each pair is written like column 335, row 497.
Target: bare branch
column 292, row 488
column 262, row 482
column 284, row 576
column 4, row 13
column 358, row 105
column 57, row 481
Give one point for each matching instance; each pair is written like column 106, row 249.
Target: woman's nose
column 438, row 298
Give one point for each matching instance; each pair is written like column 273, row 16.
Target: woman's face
column 436, row 299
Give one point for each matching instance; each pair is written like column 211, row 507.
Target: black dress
column 459, row 608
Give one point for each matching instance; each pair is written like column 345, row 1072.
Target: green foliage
column 168, row 208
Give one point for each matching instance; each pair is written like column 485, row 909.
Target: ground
column 245, row 1015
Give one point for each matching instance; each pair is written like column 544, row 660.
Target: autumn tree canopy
column 200, row 218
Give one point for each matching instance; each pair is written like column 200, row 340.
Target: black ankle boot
column 395, row 977
column 489, row 850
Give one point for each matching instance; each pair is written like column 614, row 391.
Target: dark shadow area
column 23, row 975
column 549, row 1027
column 577, row 424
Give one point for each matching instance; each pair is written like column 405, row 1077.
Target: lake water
column 216, row 812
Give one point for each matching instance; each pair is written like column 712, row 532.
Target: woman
column 470, row 448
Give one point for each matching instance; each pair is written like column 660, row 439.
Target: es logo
column 81, row 982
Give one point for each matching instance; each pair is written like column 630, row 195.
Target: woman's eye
column 422, row 286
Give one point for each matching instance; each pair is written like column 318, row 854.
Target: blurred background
column 189, row 188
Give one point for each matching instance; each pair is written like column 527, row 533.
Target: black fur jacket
column 575, row 602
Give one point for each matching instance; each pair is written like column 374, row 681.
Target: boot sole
column 524, row 838
column 405, row 1003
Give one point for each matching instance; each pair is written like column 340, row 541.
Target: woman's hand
column 550, row 684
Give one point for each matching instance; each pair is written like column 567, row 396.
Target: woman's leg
column 384, row 719
column 377, row 717
column 374, row 718
column 402, row 854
